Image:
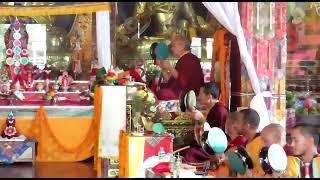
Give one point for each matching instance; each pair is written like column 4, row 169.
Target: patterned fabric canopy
column 38, row 9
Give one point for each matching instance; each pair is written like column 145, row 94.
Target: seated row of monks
column 241, row 129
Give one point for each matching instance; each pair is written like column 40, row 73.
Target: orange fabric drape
column 50, row 147
column 59, row 140
column 220, row 52
column 124, row 155
column 42, row 130
column 96, row 117
column 131, row 155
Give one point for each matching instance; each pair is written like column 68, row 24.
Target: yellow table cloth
column 60, row 137
column 134, row 150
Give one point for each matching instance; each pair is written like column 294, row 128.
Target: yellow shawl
column 293, row 168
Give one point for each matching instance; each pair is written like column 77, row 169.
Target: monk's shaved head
column 235, row 116
column 182, row 42
column 273, row 134
column 233, row 124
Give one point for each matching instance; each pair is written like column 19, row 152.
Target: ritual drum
column 240, row 160
column 273, row 159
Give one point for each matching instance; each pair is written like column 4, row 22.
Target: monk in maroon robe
column 196, row 154
column 187, row 74
column 217, row 117
column 218, row 113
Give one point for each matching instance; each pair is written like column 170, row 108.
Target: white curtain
column 103, row 39
column 227, row 13
column 113, row 97
column 112, row 121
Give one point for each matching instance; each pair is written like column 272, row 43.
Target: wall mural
column 303, row 46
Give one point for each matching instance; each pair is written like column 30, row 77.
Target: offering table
column 63, row 133
column 37, row 98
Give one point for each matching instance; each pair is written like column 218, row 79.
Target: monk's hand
column 168, row 68
column 279, row 174
column 276, row 174
column 157, row 62
column 165, row 64
column 198, row 130
column 221, row 158
column 197, row 115
column 249, row 173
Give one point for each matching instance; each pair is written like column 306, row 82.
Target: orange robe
column 223, row 169
column 253, row 148
column 220, row 53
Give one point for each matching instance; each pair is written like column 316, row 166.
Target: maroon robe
column 196, row 154
column 238, row 141
column 217, row 116
column 190, row 77
column 306, row 169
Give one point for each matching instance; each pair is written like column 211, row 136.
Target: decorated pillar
column 264, row 25
column 16, row 40
column 81, row 43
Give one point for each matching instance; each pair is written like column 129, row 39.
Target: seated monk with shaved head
column 186, row 75
column 273, row 134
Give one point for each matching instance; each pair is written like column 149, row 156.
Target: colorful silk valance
column 54, row 10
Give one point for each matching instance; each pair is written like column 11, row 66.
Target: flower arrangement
column 144, row 101
column 50, row 95
column 144, row 108
column 152, row 72
column 302, row 104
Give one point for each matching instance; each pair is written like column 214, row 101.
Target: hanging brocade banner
column 80, row 8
